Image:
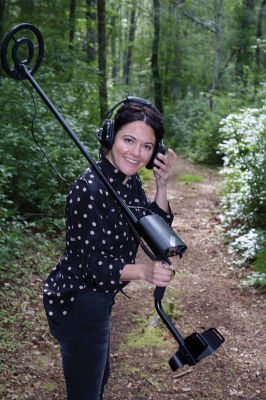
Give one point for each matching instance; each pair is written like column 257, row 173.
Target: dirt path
column 205, row 293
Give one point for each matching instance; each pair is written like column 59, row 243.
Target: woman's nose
column 136, row 150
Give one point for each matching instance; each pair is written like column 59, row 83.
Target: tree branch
column 205, row 25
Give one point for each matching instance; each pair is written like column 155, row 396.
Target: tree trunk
column 154, row 57
column 91, row 32
column 72, row 22
column 2, row 18
column 244, row 54
column 131, row 36
column 114, row 50
column 27, row 9
column 218, row 4
column 2, row 14
column 102, row 58
column 259, row 34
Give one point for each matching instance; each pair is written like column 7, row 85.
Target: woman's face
column 133, row 147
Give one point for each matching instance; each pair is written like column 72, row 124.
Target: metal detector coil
column 159, row 236
column 200, row 345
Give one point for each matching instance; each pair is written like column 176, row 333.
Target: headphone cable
column 34, row 137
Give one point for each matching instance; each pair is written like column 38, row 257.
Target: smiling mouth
column 135, row 162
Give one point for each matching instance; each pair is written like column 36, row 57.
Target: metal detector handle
column 159, row 293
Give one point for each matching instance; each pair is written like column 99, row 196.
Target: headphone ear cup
column 106, row 134
column 160, row 148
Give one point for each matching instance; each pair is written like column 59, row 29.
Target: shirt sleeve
column 92, row 243
column 168, row 217
column 153, row 206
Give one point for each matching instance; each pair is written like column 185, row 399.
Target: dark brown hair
column 131, row 112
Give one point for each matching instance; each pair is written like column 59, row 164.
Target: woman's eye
column 148, row 147
column 128, row 140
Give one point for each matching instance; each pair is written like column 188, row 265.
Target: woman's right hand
column 158, row 273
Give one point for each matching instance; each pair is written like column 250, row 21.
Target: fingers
column 170, row 267
column 162, row 275
column 164, row 164
column 158, row 273
column 169, row 158
column 171, row 154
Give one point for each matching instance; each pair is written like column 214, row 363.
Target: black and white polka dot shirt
column 99, row 241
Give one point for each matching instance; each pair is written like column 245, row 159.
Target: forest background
column 203, row 63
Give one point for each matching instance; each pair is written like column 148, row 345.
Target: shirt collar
column 111, row 172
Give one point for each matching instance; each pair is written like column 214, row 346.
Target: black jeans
column 84, row 339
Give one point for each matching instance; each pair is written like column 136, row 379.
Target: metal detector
column 20, row 61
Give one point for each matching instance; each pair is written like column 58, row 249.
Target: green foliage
column 260, row 261
column 243, row 146
column 25, row 174
column 193, row 123
column 193, row 129
column 23, row 243
column 145, row 175
column 205, row 139
column 258, row 277
column 244, row 199
column 181, row 118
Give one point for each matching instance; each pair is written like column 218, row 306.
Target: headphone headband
column 133, row 99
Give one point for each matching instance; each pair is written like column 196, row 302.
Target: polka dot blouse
column 99, row 241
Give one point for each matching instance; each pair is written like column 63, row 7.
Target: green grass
column 145, row 335
column 150, row 337
column 188, row 178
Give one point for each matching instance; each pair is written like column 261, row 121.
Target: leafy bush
column 181, row 119
column 28, row 184
column 258, row 277
column 244, row 200
column 193, row 126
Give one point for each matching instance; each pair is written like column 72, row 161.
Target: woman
column 99, row 258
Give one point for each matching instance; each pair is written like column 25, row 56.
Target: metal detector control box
column 160, row 237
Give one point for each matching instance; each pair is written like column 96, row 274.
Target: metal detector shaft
column 175, row 333
column 158, row 296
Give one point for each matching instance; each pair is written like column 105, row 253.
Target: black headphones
column 106, row 134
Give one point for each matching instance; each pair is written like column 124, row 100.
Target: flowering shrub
column 244, row 169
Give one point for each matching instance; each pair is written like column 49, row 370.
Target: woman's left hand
column 164, row 167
